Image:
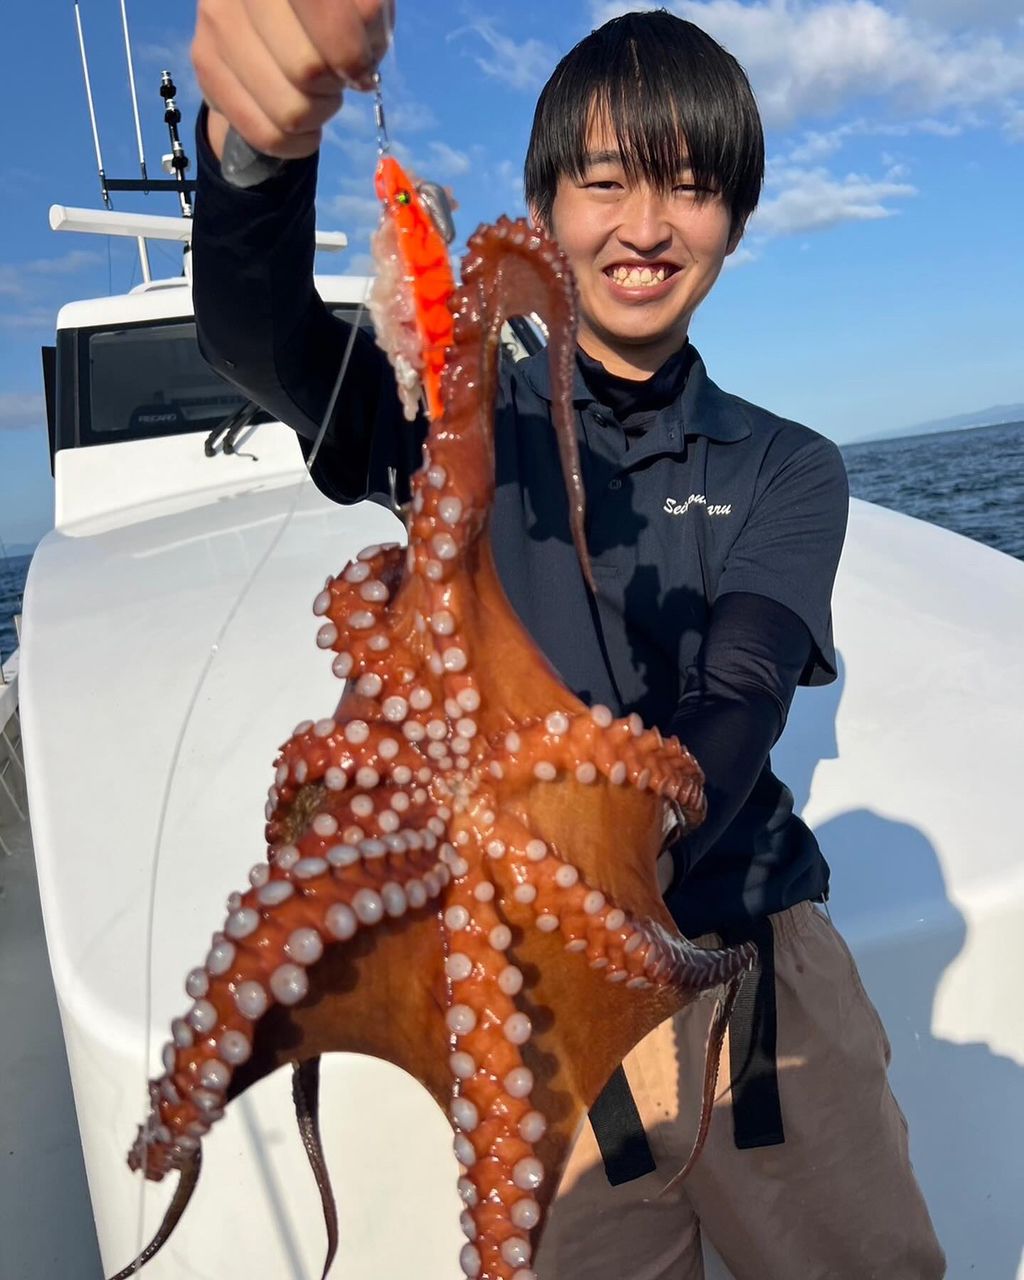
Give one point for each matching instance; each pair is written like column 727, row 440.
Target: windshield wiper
column 231, row 428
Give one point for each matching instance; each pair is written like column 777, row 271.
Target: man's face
column 643, row 259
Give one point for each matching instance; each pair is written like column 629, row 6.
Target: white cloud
column 353, row 210
column 360, row 155
column 36, row 318
column 21, row 409
column 406, row 116
column 966, row 12
column 740, row 258
column 802, row 200
column 510, row 181
column 446, row 162
column 521, row 65
column 810, row 59
column 17, row 280
column 815, row 144
column 1013, row 126
column 74, row 260
column 361, row 264
column 354, row 129
column 355, row 117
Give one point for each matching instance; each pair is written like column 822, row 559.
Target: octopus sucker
column 461, row 816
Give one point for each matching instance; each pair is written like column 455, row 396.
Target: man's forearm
column 734, row 706
column 262, row 326
column 730, row 735
column 258, row 320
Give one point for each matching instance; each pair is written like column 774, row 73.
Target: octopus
column 460, row 875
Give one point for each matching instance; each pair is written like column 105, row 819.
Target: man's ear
column 536, row 220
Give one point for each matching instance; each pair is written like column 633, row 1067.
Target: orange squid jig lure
column 409, row 300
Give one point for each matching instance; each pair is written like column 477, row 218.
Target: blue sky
column 879, row 285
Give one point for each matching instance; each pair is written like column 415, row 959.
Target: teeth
column 638, row 277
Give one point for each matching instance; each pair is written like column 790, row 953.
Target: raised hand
column 276, row 70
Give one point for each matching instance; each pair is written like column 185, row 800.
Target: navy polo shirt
column 715, row 496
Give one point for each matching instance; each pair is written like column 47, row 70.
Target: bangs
column 671, row 98
column 647, row 132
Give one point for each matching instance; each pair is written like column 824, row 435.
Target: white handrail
column 154, row 226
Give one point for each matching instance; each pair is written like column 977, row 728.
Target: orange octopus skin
column 462, row 819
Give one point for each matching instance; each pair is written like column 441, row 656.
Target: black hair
column 663, row 84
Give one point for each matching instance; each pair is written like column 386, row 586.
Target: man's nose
column 645, row 226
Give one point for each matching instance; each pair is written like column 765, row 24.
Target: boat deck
column 46, row 1224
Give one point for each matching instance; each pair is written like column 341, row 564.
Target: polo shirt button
column 615, row 484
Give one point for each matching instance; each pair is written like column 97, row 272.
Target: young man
column 714, row 530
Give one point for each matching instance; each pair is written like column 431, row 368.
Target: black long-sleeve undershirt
column 734, row 705
column 261, row 324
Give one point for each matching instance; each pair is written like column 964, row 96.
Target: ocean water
column 969, row 481
column 13, row 571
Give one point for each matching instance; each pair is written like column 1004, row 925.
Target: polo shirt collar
column 702, row 410
column 537, row 372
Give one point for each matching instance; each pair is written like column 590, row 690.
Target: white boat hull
column 905, row 768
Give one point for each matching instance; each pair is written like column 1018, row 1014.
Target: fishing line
column 383, row 145
column 211, row 657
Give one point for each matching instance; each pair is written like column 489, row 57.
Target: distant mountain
column 15, row 550
column 994, row 417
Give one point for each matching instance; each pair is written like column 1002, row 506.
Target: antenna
column 105, row 185
column 92, row 113
column 177, row 162
column 131, row 83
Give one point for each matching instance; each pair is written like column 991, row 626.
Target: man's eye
column 602, row 184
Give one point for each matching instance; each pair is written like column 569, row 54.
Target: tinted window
column 150, row 380
column 143, row 380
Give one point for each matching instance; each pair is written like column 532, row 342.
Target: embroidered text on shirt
column 674, row 508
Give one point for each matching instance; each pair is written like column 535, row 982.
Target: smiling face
column 643, row 258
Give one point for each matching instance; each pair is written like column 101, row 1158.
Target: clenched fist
column 275, row 69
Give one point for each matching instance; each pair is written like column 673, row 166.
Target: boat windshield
column 150, row 380
column 138, row 381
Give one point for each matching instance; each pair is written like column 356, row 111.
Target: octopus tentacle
column 491, row 1082
column 187, row 1181
column 627, row 948
column 712, row 1060
column 591, row 743
column 272, row 935
column 306, row 1099
column 510, row 269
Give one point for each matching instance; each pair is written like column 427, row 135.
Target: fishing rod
column 175, row 163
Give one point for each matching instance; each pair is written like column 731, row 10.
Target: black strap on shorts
column 753, row 1036
column 620, row 1132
